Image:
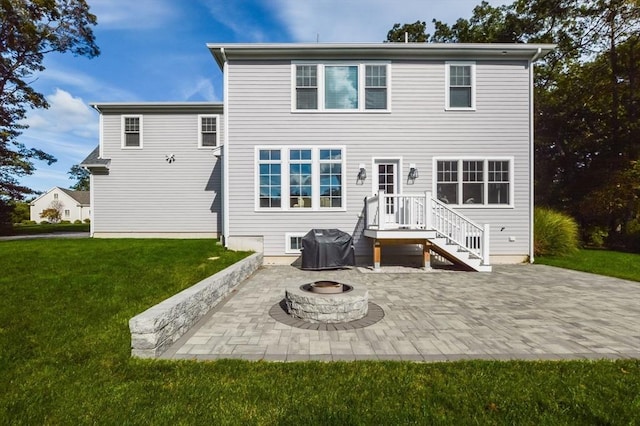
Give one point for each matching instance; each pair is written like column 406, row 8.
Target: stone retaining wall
column 155, row 329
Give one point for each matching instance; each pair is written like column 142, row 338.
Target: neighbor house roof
column 82, row 197
column 233, row 51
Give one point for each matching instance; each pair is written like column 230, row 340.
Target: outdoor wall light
column 170, row 158
column 362, row 174
column 413, row 172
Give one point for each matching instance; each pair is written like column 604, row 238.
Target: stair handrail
column 460, row 229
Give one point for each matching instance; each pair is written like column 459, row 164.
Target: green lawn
column 602, row 262
column 64, row 358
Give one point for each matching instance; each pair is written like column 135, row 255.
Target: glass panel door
column 387, row 180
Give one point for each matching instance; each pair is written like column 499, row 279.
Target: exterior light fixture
column 362, row 174
column 413, row 172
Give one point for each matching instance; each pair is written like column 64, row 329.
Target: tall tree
column 587, row 116
column 413, row 33
column 29, row 29
column 81, row 176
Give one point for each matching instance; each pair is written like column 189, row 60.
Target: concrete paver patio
column 516, row 312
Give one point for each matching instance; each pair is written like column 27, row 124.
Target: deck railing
column 423, row 212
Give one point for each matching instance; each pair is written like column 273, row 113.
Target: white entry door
column 387, row 180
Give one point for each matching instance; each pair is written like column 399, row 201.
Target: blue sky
column 154, row 50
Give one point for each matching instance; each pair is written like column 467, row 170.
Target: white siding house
column 421, row 143
column 73, row 205
column 157, row 172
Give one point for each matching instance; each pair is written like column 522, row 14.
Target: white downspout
column 225, row 151
column 531, row 153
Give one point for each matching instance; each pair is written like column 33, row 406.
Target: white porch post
column 485, row 245
column 428, row 217
column 382, row 209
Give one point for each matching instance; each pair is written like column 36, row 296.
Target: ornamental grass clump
column 555, row 233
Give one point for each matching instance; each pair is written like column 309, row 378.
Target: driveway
column 516, row 312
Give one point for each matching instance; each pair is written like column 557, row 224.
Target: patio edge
column 156, row 329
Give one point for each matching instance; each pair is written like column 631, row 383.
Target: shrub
column 65, row 222
column 28, row 222
column 77, row 222
column 555, row 233
column 87, row 220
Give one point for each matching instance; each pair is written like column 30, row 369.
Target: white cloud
column 134, row 14
column 238, row 17
column 65, row 115
column 200, row 88
column 363, row 20
column 56, row 76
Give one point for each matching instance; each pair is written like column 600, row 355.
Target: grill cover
column 327, row 249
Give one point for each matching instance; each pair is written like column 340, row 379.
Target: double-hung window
column 307, row 87
column 375, row 87
column 131, row 131
column 460, row 85
column 310, row 177
column 341, row 87
column 474, row 182
column 208, row 131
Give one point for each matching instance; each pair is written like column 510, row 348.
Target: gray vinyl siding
column 417, row 129
column 143, row 193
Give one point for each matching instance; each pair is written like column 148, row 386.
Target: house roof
column 82, row 197
column 223, row 52
column 157, row 107
column 93, row 160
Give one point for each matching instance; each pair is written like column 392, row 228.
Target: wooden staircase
column 397, row 217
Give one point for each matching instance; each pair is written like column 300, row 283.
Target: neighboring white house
column 73, row 205
column 415, row 143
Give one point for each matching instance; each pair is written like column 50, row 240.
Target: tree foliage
column 81, row 176
column 587, row 100
column 415, row 33
column 29, row 29
column 53, row 213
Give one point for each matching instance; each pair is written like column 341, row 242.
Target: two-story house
column 417, row 143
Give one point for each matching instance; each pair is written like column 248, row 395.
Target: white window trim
column 284, row 176
column 321, row 86
column 200, row 117
column 485, row 181
column 122, row 133
column 287, row 243
column 447, row 66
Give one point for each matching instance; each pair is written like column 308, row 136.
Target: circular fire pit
column 327, row 302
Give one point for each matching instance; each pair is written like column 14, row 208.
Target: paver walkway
column 515, row 312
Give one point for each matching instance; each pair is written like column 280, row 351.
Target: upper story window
column 307, row 87
column 375, row 87
column 341, row 87
column 310, row 177
column 208, row 131
column 475, row 182
column 460, row 81
column 131, row 131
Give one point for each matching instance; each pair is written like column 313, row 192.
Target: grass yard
column 64, row 358
column 602, row 262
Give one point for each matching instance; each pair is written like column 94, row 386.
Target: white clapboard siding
column 144, row 193
column 417, row 129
